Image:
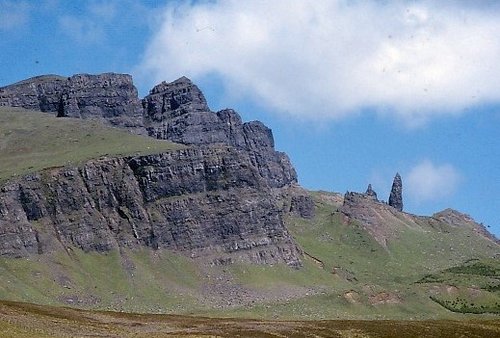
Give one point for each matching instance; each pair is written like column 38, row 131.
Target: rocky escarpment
column 175, row 111
column 215, row 203
column 178, row 112
column 110, row 97
column 223, row 198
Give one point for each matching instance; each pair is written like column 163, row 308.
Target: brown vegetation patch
column 28, row 320
column 384, row 298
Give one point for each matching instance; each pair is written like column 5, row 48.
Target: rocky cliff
column 175, row 111
column 223, row 198
column 178, row 112
column 210, row 202
column 109, row 97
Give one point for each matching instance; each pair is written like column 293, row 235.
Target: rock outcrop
column 458, row 219
column 214, row 203
column 396, row 196
column 302, row 205
column 371, row 193
column 178, row 112
column 223, row 198
column 109, row 97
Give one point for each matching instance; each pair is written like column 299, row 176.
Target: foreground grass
column 28, row 320
column 135, row 281
column 31, row 141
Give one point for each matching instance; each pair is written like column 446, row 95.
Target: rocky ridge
column 109, row 97
column 223, row 198
column 384, row 220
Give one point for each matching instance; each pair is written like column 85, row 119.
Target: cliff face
column 212, row 202
column 109, row 97
column 178, row 112
column 223, row 198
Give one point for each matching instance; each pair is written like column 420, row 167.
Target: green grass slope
column 31, row 141
column 141, row 281
column 472, row 287
column 348, row 274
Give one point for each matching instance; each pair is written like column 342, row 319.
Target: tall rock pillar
column 396, row 196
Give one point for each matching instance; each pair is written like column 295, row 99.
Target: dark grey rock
column 371, row 193
column 110, row 97
column 213, row 203
column 396, row 196
column 41, row 93
column 302, row 206
column 178, row 112
column 221, row 198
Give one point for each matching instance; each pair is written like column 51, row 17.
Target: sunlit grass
column 31, row 141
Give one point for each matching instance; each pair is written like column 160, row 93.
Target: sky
column 354, row 91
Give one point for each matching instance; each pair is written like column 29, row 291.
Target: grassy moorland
column 31, row 141
column 27, row 320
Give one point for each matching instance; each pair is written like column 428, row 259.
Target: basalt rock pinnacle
column 396, row 196
column 371, row 193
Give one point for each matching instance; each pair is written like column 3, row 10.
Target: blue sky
column 354, row 91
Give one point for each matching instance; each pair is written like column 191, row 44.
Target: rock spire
column 396, row 196
column 371, row 193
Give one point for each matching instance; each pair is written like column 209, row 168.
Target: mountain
column 108, row 201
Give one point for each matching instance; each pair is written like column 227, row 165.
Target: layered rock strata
column 109, row 97
column 223, row 198
column 204, row 202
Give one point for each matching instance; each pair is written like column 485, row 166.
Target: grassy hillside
column 427, row 269
column 30, row 141
column 346, row 275
column 472, row 287
column 140, row 281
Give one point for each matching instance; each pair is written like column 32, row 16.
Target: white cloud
column 327, row 59
column 13, row 14
column 430, row 182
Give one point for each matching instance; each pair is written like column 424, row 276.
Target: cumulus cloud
column 430, row 182
column 327, row 59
